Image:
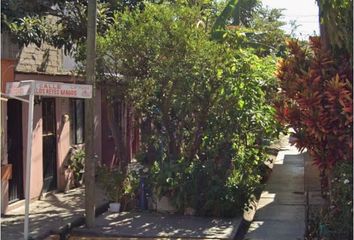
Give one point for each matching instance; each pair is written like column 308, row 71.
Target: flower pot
column 164, row 205
column 114, row 207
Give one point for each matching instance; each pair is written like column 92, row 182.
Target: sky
column 304, row 12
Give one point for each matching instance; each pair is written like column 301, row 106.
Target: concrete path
column 155, row 225
column 47, row 215
column 280, row 212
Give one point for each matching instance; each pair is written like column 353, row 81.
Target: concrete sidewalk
column 152, row 225
column 49, row 215
column 281, row 209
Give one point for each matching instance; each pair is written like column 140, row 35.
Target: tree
column 263, row 25
column 67, row 23
column 336, row 25
column 204, row 103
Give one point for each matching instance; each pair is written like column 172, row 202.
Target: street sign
column 49, row 89
column 57, row 89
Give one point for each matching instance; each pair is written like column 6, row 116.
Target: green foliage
column 337, row 18
column 205, row 106
column 77, row 163
column 61, row 23
column 335, row 220
column 261, row 25
column 232, row 9
column 111, row 181
column 341, row 208
column 117, row 184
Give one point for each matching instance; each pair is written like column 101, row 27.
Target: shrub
column 77, row 164
column 316, row 101
column 111, row 180
column 335, row 220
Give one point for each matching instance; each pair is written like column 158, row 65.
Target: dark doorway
column 14, row 149
column 49, row 145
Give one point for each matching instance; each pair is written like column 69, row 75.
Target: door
column 49, row 145
column 14, row 149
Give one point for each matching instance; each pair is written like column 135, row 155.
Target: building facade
column 58, row 123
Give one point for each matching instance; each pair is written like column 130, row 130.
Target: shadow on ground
column 151, row 224
column 47, row 215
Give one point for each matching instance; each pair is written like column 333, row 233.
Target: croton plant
column 316, row 101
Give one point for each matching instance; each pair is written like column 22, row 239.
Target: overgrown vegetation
column 204, row 105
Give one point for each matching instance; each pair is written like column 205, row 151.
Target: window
column 77, row 122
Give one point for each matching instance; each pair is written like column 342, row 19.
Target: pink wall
column 63, row 138
column 37, row 156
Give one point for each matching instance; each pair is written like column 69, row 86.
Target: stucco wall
column 63, row 138
column 37, row 146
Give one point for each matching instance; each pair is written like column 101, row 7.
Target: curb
column 64, row 230
column 248, row 216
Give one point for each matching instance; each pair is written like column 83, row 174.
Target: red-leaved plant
column 316, row 101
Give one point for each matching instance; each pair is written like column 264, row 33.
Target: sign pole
column 28, row 160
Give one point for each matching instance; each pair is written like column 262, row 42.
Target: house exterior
column 58, row 123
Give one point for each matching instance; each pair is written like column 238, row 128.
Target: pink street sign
column 56, row 89
column 51, row 89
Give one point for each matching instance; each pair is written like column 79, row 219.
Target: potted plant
column 76, row 165
column 112, row 182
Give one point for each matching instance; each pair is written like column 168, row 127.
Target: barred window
column 77, row 123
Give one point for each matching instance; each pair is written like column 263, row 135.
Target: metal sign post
column 32, row 88
column 29, row 159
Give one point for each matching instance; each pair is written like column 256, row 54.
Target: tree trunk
column 323, row 29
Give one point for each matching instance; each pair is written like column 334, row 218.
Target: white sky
column 305, row 12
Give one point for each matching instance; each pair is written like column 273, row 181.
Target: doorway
column 14, row 149
column 49, row 145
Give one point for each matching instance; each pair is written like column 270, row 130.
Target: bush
column 111, row 180
column 76, row 163
column 206, row 105
column 317, row 102
column 335, row 220
column 212, row 187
